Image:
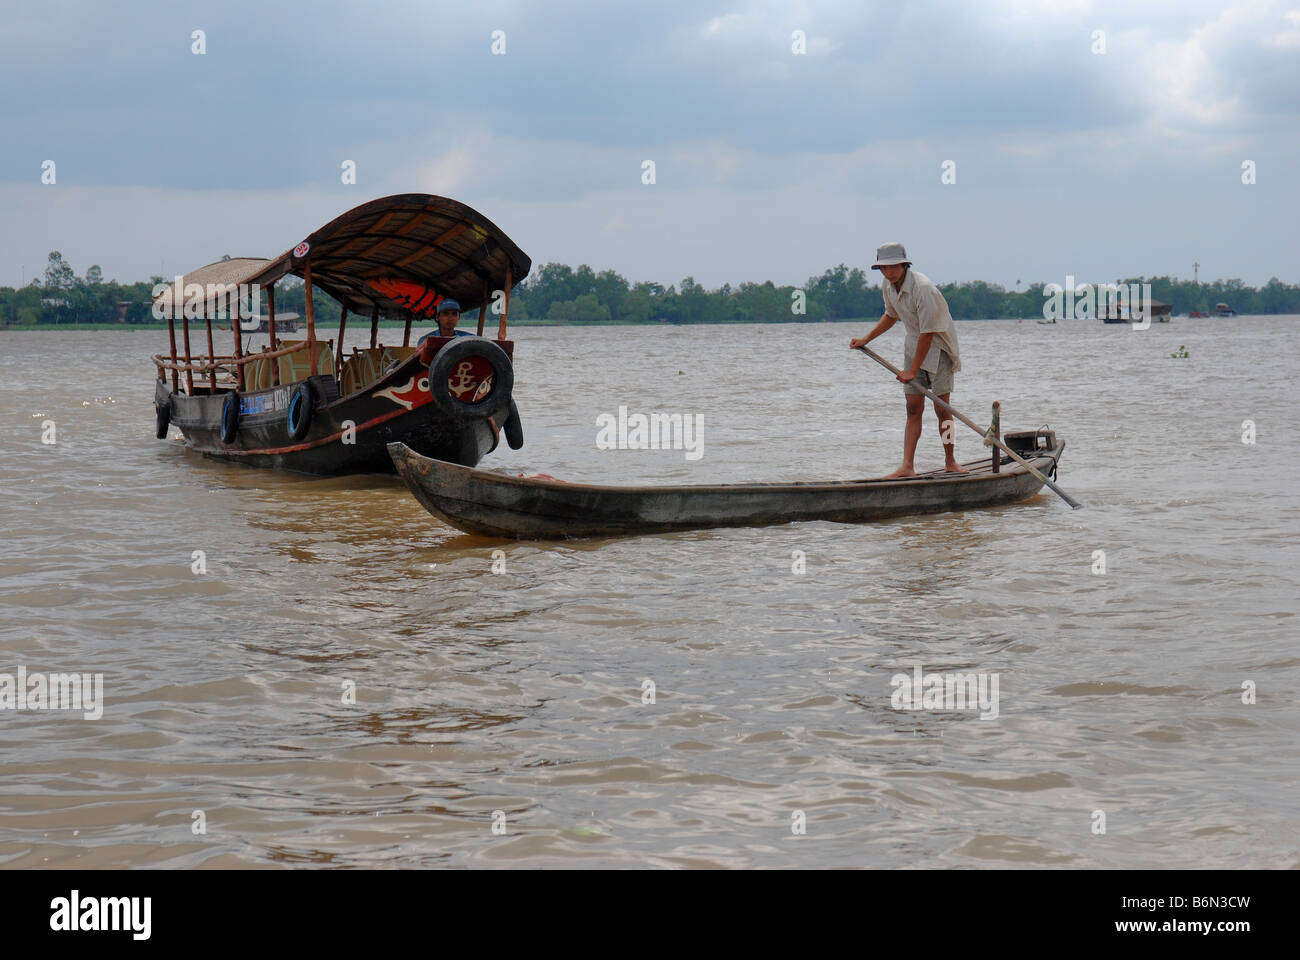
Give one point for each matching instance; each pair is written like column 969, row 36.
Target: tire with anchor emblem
column 459, row 373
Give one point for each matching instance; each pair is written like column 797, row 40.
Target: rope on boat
column 1044, row 429
column 994, row 427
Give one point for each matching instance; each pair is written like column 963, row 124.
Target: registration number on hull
column 270, row 402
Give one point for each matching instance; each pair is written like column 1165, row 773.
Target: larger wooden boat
column 496, row 505
column 306, row 405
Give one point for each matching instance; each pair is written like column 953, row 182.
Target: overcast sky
column 770, row 164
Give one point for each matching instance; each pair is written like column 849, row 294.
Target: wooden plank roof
column 416, row 237
column 435, row 241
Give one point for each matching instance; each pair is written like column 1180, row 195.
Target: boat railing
column 211, row 364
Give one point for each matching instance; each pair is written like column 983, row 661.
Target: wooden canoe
column 496, row 505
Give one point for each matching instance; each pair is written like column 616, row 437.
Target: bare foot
column 955, row 468
column 900, row 474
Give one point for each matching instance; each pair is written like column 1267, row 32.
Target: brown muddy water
column 515, row 699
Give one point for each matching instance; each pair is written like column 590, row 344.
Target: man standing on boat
column 930, row 356
column 448, row 317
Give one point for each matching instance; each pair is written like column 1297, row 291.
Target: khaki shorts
column 939, row 382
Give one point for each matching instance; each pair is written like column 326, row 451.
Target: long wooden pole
column 212, row 357
column 974, row 426
column 374, row 326
column 996, row 427
column 343, row 325
column 171, row 334
column 239, row 342
column 270, row 325
column 311, row 322
column 189, row 374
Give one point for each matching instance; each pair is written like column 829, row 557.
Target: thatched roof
column 434, row 241
column 223, row 273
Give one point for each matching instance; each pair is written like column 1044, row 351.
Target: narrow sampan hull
column 495, row 505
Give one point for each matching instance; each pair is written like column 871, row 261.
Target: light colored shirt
column 434, row 333
column 922, row 308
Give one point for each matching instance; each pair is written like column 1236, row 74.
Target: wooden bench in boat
column 294, row 367
column 368, row 364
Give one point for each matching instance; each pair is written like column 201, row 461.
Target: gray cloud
column 769, row 164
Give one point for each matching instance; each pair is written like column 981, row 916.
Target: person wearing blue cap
column 448, row 317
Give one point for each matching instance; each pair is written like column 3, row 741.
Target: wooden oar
column 974, row 426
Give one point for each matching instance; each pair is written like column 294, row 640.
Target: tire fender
column 445, row 365
column 230, row 417
column 302, row 403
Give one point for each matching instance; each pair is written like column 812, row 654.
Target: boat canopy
column 378, row 254
column 214, row 278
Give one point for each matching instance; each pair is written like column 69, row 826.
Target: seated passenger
column 448, row 317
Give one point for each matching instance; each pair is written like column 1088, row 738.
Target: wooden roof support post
column 343, row 325
column 406, row 334
column 239, row 346
column 171, row 335
column 212, row 356
column 374, row 325
column 505, row 310
column 482, row 310
column 311, row 323
column 996, row 426
column 270, row 312
column 189, row 374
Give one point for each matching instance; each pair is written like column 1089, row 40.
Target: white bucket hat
column 889, row 254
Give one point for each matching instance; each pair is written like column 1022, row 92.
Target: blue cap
column 448, row 305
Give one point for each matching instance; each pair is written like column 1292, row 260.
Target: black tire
column 230, row 417
column 514, row 430
column 164, row 420
column 461, row 349
column 301, row 405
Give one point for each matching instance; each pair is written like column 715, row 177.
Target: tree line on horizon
column 559, row 294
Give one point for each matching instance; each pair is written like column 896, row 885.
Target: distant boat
column 284, row 323
column 1223, row 310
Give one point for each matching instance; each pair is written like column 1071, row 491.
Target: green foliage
column 59, row 276
column 841, row 293
column 584, row 309
column 558, row 293
column 61, row 297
